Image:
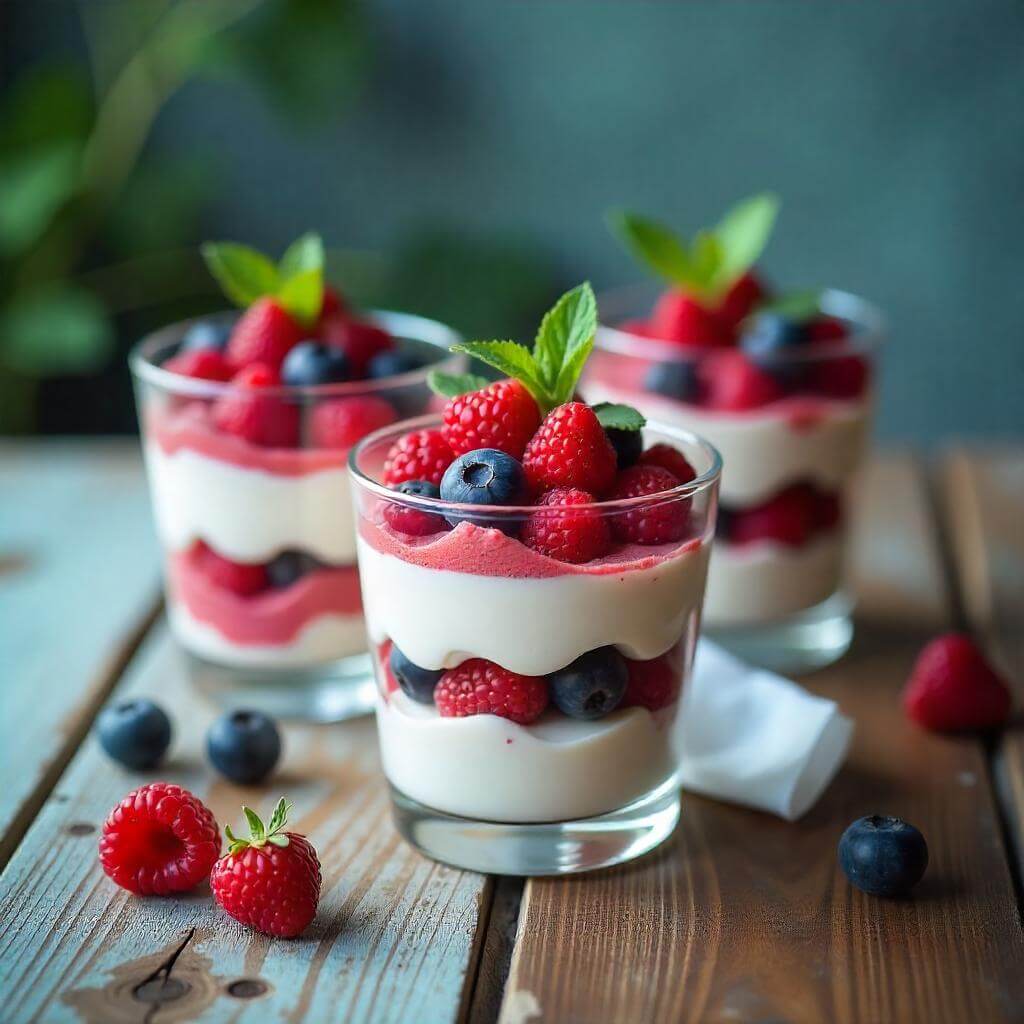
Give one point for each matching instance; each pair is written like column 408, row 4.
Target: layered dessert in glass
column 532, row 571
column 247, row 421
column 782, row 385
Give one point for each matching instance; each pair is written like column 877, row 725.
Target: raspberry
column 270, row 881
column 421, row 455
column 734, row 383
column 241, row 579
column 359, row 340
column 341, row 422
column 479, row 687
column 826, row 328
column 502, row 415
column 739, row 302
column 159, row 840
column 562, row 529
column 678, row 317
column 264, row 334
column 202, row 363
column 828, row 511
column 652, row 684
column 788, row 517
column 953, row 688
column 655, row 523
column 844, row 377
column 333, row 304
column 570, row 449
column 262, row 420
column 669, row 458
column 414, row 522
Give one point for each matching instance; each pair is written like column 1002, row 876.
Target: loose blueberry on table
column 244, row 746
column 135, row 733
column 883, row 856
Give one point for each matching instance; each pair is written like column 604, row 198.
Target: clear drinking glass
column 560, row 794
column 776, row 602
column 285, row 634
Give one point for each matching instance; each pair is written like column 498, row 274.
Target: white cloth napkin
column 748, row 736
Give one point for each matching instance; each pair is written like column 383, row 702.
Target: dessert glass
column 560, row 794
column 781, row 604
column 296, row 646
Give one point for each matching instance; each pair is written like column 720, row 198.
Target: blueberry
column 391, row 363
column 592, row 685
column 883, row 856
column 771, row 333
column 673, row 380
column 416, row 683
column 422, row 488
column 628, row 445
column 206, row 334
column 311, row 362
column 485, row 477
column 244, row 746
column 290, row 566
column 135, row 733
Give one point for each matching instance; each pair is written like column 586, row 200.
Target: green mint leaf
column 566, row 331
column 302, row 294
column 279, row 840
column 798, row 306
column 707, row 256
column 743, row 233
column 279, row 817
column 654, row 244
column 619, row 417
column 256, row 832
column 451, row 385
column 243, row 273
column 305, row 253
column 512, row 360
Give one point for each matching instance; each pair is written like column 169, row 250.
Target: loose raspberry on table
column 953, row 688
column 238, row 577
column 502, row 415
column 159, row 840
column 264, row 334
column 659, row 522
column 201, row 363
column 270, row 881
column 653, row 684
column 570, row 449
column 265, row 420
column 669, row 458
column 420, row 455
column 480, row 687
column 564, row 527
column 341, row 422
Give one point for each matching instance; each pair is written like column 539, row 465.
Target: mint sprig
column 260, row 835
column 296, row 281
column 564, row 341
column 451, row 385
column 612, row 416
column 709, row 264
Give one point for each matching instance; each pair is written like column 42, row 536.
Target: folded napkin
column 750, row 737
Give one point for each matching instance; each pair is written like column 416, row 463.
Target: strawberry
column 654, row 523
column 159, row 840
column 201, row 363
column 271, row 422
column 503, row 415
column 419, row 455
column 270, row 881
column 788, row 517
column 669, row 458
column 264, row 334
column 733, row 383
column 479, row 687
column 680, row 317
column 841, row 377
column 652, row 684
column 570, row 449
column 566, row 528
column 341, row 422
column 359, row 340
column 953, row 688
column 238, row 577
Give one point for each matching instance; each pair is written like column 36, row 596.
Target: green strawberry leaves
column 451, row 385
column 258, row 834
column 619, row 417
column 716, row 258
column 564, row 341
column 296, row 282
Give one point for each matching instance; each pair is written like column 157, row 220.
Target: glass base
column 324, row 693
column 809, row 640
column 547, row 848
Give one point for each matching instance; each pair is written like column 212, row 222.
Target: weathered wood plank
column 983, row 492
column 743, row 917
column 78, row 581
column 396, row 938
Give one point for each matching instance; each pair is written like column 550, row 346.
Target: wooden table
column 740, row 917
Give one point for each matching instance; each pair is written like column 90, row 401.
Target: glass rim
column 402, row 325
column 701, row 482
column 843, row 305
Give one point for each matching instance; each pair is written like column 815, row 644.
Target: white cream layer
column 534, row 625
column 555, row 769
column 763, row 452
column 323, row 639
column 764, row 581
column 249, row 515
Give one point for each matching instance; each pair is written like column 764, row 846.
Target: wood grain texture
column 743, row 917
column 79, row 577
column 395, row 939
column 983, row 496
